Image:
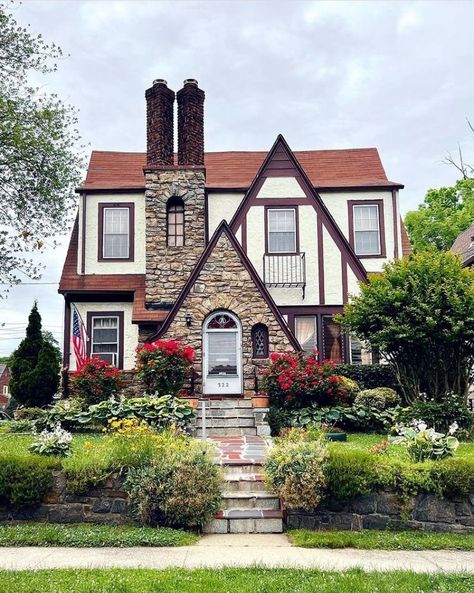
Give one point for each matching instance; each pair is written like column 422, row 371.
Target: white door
column 222, row 354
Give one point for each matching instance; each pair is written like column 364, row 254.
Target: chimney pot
column 160, row 81
column 190, row 81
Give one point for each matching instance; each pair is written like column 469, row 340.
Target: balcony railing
column 285, row 270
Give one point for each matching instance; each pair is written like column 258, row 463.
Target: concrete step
column 250, row 500
column 240, row 467
column 246, row 521
column 227, row 403
column 227, row 413
column 243, row 483
column 227, row 422
column 231, row 431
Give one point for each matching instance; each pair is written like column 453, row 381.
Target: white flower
column 453, row 428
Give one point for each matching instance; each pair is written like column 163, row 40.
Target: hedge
column 369, row 376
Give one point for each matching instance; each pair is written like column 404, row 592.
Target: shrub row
column 369, row 376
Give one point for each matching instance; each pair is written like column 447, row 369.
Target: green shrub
column 369, row 376
column 24, row 480
column 454, row 478
column 18, row 426
column 294, row 469
column 181, row 486
column 65, row 412
column 440, row 415
column 34, row 413
column 379, row 398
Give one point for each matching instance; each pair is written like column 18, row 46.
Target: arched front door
column 222, row 354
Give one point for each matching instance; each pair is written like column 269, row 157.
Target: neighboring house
column 464, row 246
column 4, row 383
column 237, row 253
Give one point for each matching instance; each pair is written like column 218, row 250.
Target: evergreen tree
column 34, row 366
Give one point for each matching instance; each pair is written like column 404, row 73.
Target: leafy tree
column 34, row 366
column 419, row 314
column 5, row 360
column 39, row 166
column 444, row 214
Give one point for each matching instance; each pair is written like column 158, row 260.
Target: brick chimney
column 159, row 123
column 190, row 124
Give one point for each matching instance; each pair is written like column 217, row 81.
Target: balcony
column 285, row 270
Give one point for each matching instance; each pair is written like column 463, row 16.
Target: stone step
column 243, row 483
column 250, row 500
column 227, row 422
column 227, row 403
column 230, row 431
column 239, row 467
column 246, row 521
column 227, row 413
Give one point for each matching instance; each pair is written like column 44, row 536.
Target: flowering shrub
column 294, row 469
column 96, row 381
column 164, row 366
column 53, row 442
column 295, row 380
column 425, row 443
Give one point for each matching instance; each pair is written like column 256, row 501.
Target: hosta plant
column 425, row 443
column 53, row 442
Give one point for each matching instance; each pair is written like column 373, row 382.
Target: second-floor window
column 116, row 232
column 281, row 230
column 367, row 239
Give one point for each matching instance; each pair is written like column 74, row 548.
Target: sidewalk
column 215, row 551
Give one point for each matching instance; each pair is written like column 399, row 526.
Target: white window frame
column 293, row 210
column 115, row 357
column 5, row 390
column 378, row 230
column 104, row 224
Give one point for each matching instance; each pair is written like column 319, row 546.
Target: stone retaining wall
column 105, row 504
column 384, row 511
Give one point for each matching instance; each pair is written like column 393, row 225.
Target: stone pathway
column 214, row 551
column 236, row 450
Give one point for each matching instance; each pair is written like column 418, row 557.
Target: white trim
column 377, row 230
column 293, row 211
column 115, row 355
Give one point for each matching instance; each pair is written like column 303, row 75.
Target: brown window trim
column 379, row 203
column 131, row 231
column 173, row 201
column 121, row 331
column 254, row 345
column 297, row 230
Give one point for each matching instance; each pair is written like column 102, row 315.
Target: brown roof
column 406, row 245
column 72, row 282
column 355, row 167
column 464, row 245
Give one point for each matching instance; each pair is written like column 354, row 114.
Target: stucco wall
column 281, row 187
column 92, row 265
column 130, row 333
column 221, row 206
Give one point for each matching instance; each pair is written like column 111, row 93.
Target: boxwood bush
column 369, row 376
column 25, row 479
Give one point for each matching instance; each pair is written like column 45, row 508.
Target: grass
column 240, row 580
column 87, row 536
column 382, row 540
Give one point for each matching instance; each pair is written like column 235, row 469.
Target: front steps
column 230, row 418
column 247, row 507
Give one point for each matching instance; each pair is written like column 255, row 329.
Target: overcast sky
column 395, row 75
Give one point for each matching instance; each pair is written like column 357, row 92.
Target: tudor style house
column 238, row 254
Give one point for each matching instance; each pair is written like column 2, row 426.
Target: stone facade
column 225, row 283
column 168, row 268
column 107, row 503
column 384, row 511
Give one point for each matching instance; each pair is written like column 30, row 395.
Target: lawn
column 86, row 535
column 382, row 540
column 238, row 580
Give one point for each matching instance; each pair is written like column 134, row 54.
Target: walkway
column 235, row 450
column 214, row 551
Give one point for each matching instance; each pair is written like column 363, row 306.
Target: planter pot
column 260, row 401
column 336, row 436
column 193, row 402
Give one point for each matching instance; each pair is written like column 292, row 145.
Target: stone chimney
column 190, row 124
column 159, row 124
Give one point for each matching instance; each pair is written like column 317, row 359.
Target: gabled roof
column 464, row 246
column 331, row 169
column 221, row 229
column 286, row 161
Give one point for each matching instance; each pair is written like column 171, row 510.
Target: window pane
column 116, row 233
column 332, row 340
column 281, row 242
column 366, row 218
column 367, row 242
column 306, row 332
column 281, row 231
column 222, row 353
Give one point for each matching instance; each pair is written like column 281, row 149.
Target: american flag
column 78, row 338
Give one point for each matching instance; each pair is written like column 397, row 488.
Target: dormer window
column 175, row 222
column 116, row 231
